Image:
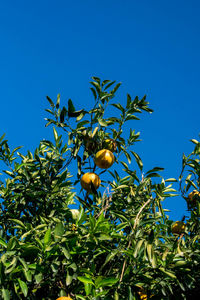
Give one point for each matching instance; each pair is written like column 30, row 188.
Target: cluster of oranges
column 104, row 160
column 179, row 227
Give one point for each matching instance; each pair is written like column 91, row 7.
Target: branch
column 129, row 244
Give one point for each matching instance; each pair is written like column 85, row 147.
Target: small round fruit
column 64, row 298
column 143, row 295
column 178, row 227
column 110, row 144
column 75, row 213
column 88, row 179
column 104, row 159
column 74, row 227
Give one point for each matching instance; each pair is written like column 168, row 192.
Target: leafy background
column 152, row 47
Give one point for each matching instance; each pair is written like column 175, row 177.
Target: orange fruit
column 178, row 227
column 110, row 144
column 89, row 178
column 74, row 227
column 64, row 298
column 143, row 295
column 104, row 159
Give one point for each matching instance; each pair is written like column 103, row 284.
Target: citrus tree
column 101, row 233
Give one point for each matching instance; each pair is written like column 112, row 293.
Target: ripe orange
column 89, row 178
column 110, row 144
column 178, row 227
column 64, row 298
column 104, row 159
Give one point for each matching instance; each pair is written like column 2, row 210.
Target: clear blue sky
column 151, row 46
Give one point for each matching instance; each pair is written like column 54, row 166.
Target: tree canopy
column 59, row 237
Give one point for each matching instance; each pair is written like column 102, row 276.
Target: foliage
column 117, row 242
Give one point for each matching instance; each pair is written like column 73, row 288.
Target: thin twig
column 104, row 209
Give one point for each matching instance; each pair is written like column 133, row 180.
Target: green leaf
column 128, row 157
column 128, row 101
column 9, row 173
column 138, row 247
column 153, row 175
column 82, row 123
column 50, row 101
column 3, row 243
column 11, row 266
column 88, row 288
column 59, row 229
column 80, row 297
column 66, row 253
column 110, row 256
column 63, row 114
column 47, row 236
column 171, row 180
column 58, row 101
column 102, row 123
column 18, row 222
column 5, row 294
column 68, row 279
column 80, row 115
column 49, row 111
column 138, row 160
column 116, row 87
column 131, row 117
column 23, row 262
column 105, row 82
column 97, row 86
column 194, row 141
column 109, row 85
column 94, row 93
column 110, row 281
column 55, row 134
column 130, row 295
column 28, row 275
column 119, row 106
column 168, row 273
column 85, row 279
column 23, row 287
column 38, row 278
column 156, row 169
column 95, row 131
column 96, row 78
column 71, row 107
column 2, row 137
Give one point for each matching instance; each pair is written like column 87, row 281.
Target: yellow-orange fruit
column 74, row 227
column 143, row 295
column 104, row 159
column 90, row 178
column 178, row 227
column 64, row 298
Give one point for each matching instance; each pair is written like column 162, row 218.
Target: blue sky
column 151, row 46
